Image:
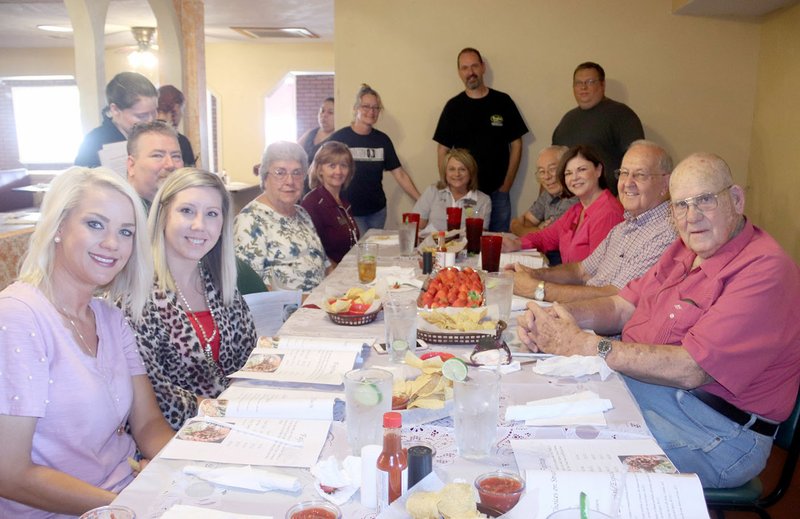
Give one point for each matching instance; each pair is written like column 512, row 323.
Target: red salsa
column 499, row 492
column 314, row 513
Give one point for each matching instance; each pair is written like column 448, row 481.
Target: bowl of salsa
column 314, row 510
column 500, row 489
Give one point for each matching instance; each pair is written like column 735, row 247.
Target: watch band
column 538, row 295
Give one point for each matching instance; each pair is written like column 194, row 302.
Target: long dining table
column 163, row 483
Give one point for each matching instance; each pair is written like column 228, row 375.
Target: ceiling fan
column 143, row 54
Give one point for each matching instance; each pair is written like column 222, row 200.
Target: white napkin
column 384, row 239
column 245, row 477
column 346, row 480
column 573, row 366
column 195, row 512
column 563, row 410
column 402, row 273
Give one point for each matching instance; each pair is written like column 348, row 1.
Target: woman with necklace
column 197, row 329
column 331, row 172
column 71, row 376
column 457, row 187
column 273, row 234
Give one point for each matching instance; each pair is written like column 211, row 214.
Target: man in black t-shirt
column 488, row 124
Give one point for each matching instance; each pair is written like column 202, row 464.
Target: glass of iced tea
column 367, row 261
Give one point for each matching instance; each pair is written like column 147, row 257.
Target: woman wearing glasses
column 331, row 171
column 374, row 153
column 196, row 329
column 586, row 224
column 273, row 234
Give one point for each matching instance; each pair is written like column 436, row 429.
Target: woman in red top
column 581, row 229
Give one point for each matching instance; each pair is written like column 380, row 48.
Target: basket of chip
column 459, row 325
column 356, row 307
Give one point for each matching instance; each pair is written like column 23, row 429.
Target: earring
column 57, row 239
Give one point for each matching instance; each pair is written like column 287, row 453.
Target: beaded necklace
column 206, row 340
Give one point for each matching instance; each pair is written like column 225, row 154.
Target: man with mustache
column 487, row 123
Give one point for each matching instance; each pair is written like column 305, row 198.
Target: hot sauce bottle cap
column 392, row 419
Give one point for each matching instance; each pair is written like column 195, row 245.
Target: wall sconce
column 143, row 56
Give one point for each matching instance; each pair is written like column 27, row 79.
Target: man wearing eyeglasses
column 710, row 336
column 608, row 125
column 488, row 124
column 632, row 246
column 550, row 204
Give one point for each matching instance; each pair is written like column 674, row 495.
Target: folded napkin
column 404, row 273
column 573, row 366
column 245, row 477
column 559, row 410
column 345, row 479
column 195, row 512
column 384, row 239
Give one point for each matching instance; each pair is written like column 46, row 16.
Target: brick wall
column 311, row 91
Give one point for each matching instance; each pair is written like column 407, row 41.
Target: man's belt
column 735, row 414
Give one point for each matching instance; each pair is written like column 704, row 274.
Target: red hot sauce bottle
column 392, row 462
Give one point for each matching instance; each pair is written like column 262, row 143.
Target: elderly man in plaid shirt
column 629, row 250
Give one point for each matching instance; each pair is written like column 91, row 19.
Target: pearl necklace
column 80, row 335
column 195, row 321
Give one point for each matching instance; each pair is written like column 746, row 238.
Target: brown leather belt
column 735, row 414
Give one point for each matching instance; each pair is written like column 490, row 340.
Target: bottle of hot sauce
column 440, row 260
column 392, row 462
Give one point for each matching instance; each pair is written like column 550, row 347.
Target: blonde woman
column 197, row 329
column 72, row 378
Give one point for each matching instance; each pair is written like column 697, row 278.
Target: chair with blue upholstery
column 748, row 497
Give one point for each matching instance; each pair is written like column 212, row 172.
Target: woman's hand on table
column 551, row 330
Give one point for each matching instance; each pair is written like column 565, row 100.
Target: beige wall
column 775, row 147
column 36, row 62
column 691, row 80
column 240, row 75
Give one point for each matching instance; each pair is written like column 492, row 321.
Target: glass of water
column 367, row 394
column 400, row 318
column 408, row 233
column 500, row 291
column 476, row 405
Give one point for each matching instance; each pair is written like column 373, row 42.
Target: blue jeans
column 698, row 439
column 501, row 212
column 371, row 221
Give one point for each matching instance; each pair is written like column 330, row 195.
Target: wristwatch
column 539, row 293
column 604, row 348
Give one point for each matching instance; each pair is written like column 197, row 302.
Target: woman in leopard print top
column 196, row 328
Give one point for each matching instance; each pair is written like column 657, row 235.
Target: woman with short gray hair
column 273, row 234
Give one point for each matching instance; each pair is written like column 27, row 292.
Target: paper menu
column 114, row 155
column 618, row 494
column 246, row 402
column 198, row 440
column 296, row 365
column 592, row 455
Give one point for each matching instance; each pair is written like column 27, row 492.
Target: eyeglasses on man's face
column 282, row 174
column 577, row 83
column 704, row 203
column 637, row 176
column 550, row 171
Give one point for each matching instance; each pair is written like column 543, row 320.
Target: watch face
column 604, row 347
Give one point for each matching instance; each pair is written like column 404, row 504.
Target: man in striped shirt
column 629, row 250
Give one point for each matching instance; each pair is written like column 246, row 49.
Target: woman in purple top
column 72, row 378
column 331, row 171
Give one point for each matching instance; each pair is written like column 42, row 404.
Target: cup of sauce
column 314, row 510
column 500, row 489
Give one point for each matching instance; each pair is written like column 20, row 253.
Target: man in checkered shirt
column 629, row 250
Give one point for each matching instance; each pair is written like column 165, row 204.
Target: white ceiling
column 18, row 20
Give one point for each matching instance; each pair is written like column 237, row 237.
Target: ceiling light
column 143, row 56
column 54, row 28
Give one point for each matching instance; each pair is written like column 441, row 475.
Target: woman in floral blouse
column 273, row 234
